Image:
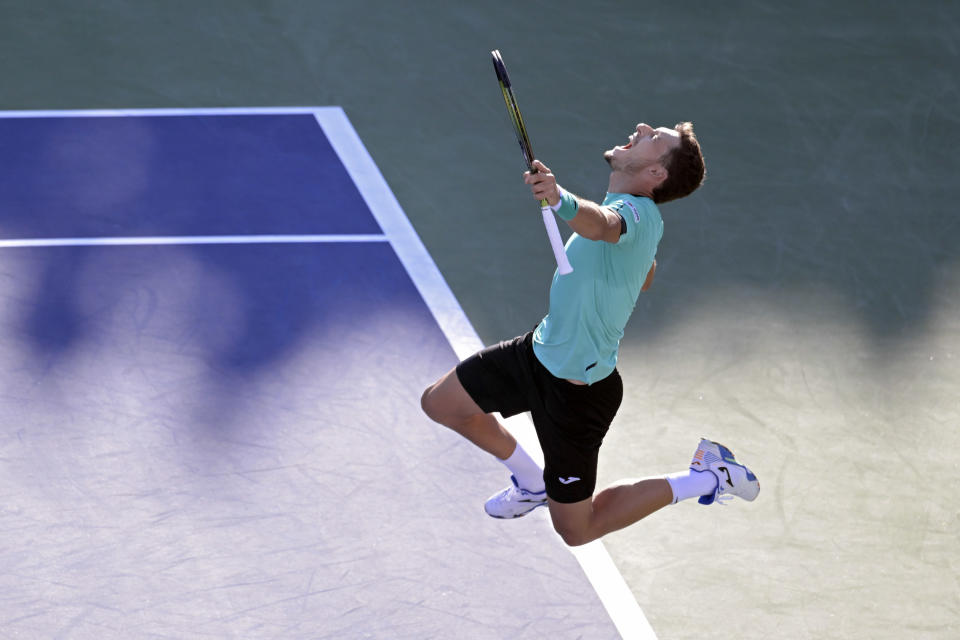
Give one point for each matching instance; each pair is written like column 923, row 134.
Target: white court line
column 115, row 113
column 606, row 579
column 593, row 558
column 183, row 240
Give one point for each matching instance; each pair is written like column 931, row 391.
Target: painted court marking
column 183, row 240
column 594, row 559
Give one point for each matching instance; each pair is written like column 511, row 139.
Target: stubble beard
column 622, row 165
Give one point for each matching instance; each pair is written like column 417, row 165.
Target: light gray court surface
column 161, row 478
column 806, row 310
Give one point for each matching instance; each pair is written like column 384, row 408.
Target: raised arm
column 592, row 221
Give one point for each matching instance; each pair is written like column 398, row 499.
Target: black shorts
column 571, row 420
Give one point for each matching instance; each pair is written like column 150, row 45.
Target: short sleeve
column 642, row 223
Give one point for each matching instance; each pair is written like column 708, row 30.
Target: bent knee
column 437, row 405
column 447, row 402
column 428, row 403
column 573, row 536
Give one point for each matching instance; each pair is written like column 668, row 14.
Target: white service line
column 151, row 113
column 183, row 240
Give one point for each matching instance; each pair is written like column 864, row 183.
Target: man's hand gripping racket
column 549, row 221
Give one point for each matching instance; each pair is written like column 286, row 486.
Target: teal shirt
column 589, row 308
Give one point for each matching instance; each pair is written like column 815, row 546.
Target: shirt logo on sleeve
column 636, row 214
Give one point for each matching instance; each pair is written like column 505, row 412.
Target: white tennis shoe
column 514, row 501
column 733, row 478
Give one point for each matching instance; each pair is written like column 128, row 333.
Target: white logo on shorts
column 568, row 480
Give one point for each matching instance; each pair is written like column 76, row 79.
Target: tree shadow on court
column 191, row 314
column 828, row 133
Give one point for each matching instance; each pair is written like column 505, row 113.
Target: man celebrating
column 564, row 371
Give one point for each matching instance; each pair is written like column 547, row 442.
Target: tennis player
column 564, row 371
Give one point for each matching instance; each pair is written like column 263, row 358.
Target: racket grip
column 550, row 222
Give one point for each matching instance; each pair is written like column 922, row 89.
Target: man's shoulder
column 633, row 208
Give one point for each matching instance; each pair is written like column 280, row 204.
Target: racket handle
column 550, row 222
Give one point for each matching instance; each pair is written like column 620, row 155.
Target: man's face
column 645, row 148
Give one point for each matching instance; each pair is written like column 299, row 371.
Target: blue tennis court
column 216, row 328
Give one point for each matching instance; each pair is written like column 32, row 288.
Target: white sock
column 691, row 484
column 529, row 475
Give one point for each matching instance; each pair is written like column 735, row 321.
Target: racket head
column 500, row 68
column 563, row 265
column 521, row 132
column 513, row 109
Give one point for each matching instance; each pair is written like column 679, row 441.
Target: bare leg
column 448, row 403
column 616, row 507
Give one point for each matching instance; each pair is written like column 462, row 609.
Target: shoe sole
column 518, row 515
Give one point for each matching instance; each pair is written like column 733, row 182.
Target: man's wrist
column 567, row 206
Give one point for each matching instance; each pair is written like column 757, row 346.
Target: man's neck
column 626, row 183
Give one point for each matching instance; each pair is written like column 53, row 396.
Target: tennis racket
column 549, row 221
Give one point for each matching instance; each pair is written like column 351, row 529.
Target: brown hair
column 684, row 165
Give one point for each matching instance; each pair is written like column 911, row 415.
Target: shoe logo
column 726, row 471
column 569, row 480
